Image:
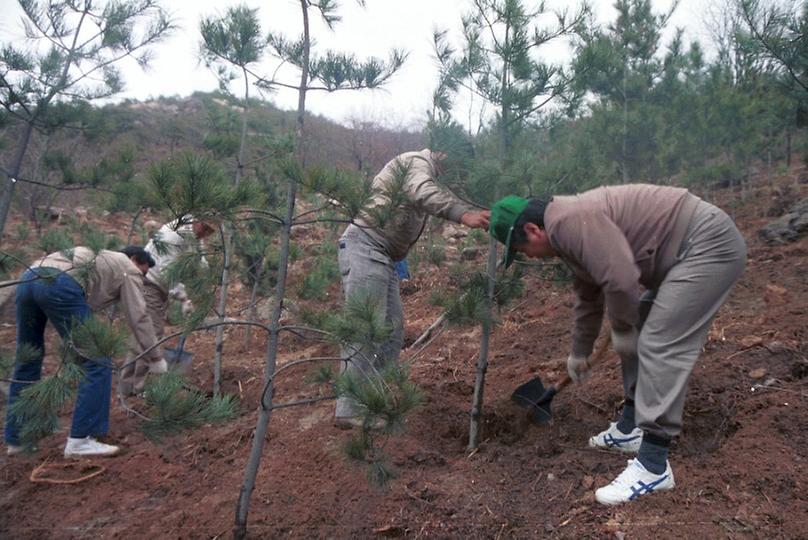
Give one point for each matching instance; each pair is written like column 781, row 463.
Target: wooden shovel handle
column 596, row 359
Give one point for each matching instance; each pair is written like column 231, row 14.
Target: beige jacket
column 615, row 239
column 108, row 277
column 423, row 197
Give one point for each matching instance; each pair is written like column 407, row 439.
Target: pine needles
column 382, row 401
column 200, row 281
column 95, row 338
column 196, row 184
column 469, row 306
column 36, row 410
column 175, row 407
column 361, row 321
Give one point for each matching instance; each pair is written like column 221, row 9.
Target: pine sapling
column 174, row 407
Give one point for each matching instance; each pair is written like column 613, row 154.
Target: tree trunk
column 482, row 361
column 227, row 246
column 227, row 242
column 243, row 142
column 265, row 408
column 265, row 411
column 259, row 273
column 624, row 157
column 8, row 186
column 788, row 147
column 132, row 225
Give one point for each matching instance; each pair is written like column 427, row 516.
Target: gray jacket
column 422, row 197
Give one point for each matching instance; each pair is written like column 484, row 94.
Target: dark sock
column 654, row 453
column 626, row 422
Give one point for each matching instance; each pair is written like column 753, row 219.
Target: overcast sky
column 373, row 31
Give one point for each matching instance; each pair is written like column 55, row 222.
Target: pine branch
column 176, row 408
column 37, row 407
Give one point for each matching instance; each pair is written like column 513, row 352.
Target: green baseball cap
column 504, row 214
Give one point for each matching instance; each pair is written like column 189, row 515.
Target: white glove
column 160, row 366
column 625, row 343
column 187, row 308
column 578, row 368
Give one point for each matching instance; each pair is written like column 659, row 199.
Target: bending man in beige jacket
column 65, row 288
column 368, row 251
column 686, row 253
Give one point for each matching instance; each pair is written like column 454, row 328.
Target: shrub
column 436, row 254
column 717, row 175
column 315, row 283
column 54, row 240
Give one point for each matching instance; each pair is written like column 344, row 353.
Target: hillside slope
column 739, row 464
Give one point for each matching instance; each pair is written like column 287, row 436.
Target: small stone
column 469, row 253
column 587, row 498
column 747, row 342
column 776, row 347
column 777, row 289
column 550, row 477
column 588, row 482
column 758, row 373
column 620, row 535
column 454, row 231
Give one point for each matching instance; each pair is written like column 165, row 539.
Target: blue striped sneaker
column 614, row 439
column 634, row 482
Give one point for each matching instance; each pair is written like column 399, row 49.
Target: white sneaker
column 614, row 439
column 88, row 447
column 13, row 449
column 634, row 482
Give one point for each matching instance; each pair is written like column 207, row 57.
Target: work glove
column 160, row 366
column 625, row 343
column 578, row 368
column 187, row 308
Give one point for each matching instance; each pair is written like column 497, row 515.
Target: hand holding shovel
column 537, row 399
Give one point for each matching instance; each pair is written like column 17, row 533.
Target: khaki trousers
column 366, row 269
column 710, row 261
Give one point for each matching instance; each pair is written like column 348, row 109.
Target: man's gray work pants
column 710, row 261
column 367, row 270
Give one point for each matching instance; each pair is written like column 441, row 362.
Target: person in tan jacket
column 685, row 253
column 406, row 193
column 170, row 241
column 65, row 288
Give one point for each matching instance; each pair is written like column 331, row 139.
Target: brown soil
column 739, row 464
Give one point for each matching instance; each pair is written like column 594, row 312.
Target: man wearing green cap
column 407, row 188
column 685, row 252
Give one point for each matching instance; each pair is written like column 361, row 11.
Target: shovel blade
column 529, row 393
column 178, row 360
column 533, row 396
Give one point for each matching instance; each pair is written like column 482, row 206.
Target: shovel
column 178, row 359
column 537, row 399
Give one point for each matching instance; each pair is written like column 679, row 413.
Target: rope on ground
column 37, row 473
